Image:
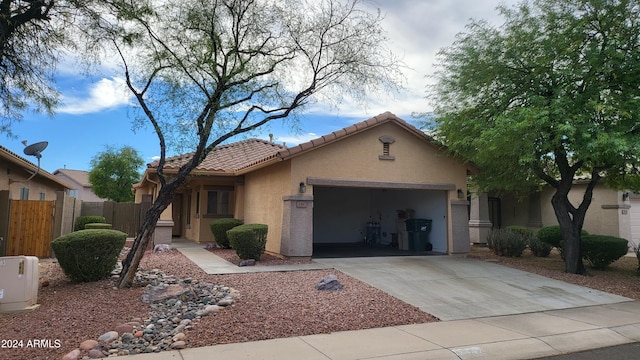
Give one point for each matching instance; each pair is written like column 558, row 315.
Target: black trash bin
column 419, row 230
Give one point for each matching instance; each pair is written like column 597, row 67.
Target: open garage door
column 342, row 214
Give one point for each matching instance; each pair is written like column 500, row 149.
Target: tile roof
column 79, row 176
column 21, row 161
column 228, row 158
column 235, row 157
column 353, row 129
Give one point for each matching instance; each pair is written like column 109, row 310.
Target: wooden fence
column 123, row 216
column 30, row 228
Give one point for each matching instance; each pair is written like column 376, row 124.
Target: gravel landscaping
column 268, row 305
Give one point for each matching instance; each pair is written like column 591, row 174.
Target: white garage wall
column 634, row 219
column 341, row 214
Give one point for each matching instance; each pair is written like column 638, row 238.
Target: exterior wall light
column 625, row 196
column 303, row 188
column 460, row 194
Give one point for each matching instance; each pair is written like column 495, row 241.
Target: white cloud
column 296, row 139
column 103, row 95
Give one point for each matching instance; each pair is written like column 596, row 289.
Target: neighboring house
column 322, row 191
column 79, row 179
column 15, row 170
column 28, row 219
column 612, row 212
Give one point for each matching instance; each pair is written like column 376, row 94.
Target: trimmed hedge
column 82, row 221
column 601, row 250
column 248, row 240
column 97, row 226
column 505, row 242
column 553, row 236
column 89, row 255
column 219, row 228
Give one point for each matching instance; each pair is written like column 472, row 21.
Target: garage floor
column 342, row 250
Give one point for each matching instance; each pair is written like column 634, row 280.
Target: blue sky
column 96, row 110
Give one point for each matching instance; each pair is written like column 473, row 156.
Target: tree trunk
column 141, row 242
column 570, row 221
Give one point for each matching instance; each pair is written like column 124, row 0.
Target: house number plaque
column 301, row 204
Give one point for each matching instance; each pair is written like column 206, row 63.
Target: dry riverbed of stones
column 176, row 305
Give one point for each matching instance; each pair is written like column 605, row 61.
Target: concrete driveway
column 454, row 288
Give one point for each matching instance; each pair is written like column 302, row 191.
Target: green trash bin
column 419, row 234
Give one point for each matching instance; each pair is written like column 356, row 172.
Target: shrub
column 248, row 240
column 553, row 236
column 82, row 221
column 97, row 226
column 539, row 248
column 89, row 255
column 219, row 228
column 525, row 231
column 601, row 250
column 505, row 242
column 550, row 235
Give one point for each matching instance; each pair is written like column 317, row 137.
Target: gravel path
column 271, row 305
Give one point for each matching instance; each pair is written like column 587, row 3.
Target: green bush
column 601, row 250
column 525, row 231
column 219, row 228
column 97, row 226
column 505, row 242
column 539, row 248
column 89, row 255
column 82, row 221
column 550, row 235
column 248, row 240
column 553, row 236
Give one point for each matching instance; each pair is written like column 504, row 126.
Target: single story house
column 612, row 212
column 328, row 190
column 79, row 180
column 27, row 198
column 16, row 179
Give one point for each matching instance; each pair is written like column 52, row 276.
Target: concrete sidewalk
column 524, row 335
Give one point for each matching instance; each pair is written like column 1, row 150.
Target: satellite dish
column 36, row 149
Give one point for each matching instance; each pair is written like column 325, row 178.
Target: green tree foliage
column 32, row 33
column 204, row 71
column 114, row 171
column 550, row 95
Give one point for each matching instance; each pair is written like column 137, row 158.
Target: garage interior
column 359, row 221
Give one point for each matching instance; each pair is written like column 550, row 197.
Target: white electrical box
column 19, row 278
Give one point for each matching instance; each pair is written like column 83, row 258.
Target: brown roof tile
column 350, row 130
column 234, row 157
column 229, row 158
column 79, row 176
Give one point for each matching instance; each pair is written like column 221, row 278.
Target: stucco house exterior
column 323, row 191
column 79, row 180
column 612, row 212
column 15, row 170
column 24, row 191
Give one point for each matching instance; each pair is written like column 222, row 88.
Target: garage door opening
column 355, row 222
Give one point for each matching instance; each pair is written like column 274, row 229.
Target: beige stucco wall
column 264, row 190
column 13, row 178
column 603, row 216
column 357, row 158
column 607, row 214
